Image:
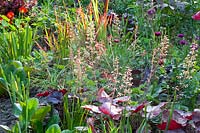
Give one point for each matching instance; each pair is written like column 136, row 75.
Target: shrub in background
column 11, row 5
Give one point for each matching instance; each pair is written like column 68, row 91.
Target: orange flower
column 23, row 9
column 10, row 15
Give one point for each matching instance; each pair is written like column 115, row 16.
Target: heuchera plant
column 178, row 122
column 53, row 96
column 111, row 106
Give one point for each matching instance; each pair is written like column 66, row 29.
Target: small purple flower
column 183, row 42
column 197, row 38
column 151, row 11
column 157, row 33
column 180, row 35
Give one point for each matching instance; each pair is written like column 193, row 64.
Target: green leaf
column 54, row 129
column 17, row 109
column 37, row 126
column 16, row 64
column 5, row 18
column 16, row 128
column 55, row 119
column 67, row 131
column 41, row 113
column 32, row 105
column 2, row 86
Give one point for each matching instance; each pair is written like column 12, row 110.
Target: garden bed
column 99, row 66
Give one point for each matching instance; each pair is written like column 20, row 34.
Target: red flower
column 196, row 16
column 43, row 94
column 172, row 125
column 23, row 9
column 10, row 15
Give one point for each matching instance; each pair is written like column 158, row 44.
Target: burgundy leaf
column 108, row 109
column 43, row 94
column 173, row 125
column 196, row 119
column 153, row 111
column 136, row 109
column 102, row 93
column 102, row 96
column 187, row 115
column 92, row 108
column 121, row 99
column 63, row 91
column 179, row 118
column 196, row 115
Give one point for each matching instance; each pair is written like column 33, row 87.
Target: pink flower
column 196, row 16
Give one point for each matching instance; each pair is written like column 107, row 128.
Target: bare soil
column 6, row 116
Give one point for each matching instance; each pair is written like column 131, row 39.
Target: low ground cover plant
column 100, row 66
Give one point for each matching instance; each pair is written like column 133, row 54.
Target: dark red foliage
column 136, row 109
column 109, row 105
column 43, row 94
column 101, row 93
column 178, row 116
column 121, row 99
column 47, row 93
column 63, row 91
column 139, row 108
column 113, row 111
column 102, row 96
column 196, row 119
column 172, row 125
column 178, row 120
column 92, row 108
column 154, row 111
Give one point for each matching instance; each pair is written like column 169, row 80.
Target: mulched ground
column 6, row 116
